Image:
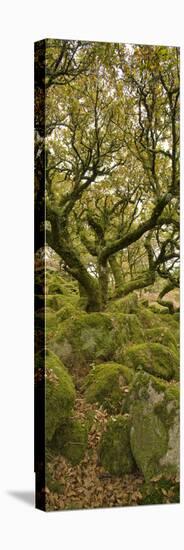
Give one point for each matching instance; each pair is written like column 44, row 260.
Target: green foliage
column 118, row 145
column 114, row 449
column 107, row 384
column 70, row 440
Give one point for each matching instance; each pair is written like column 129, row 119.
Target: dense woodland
column 108, row 143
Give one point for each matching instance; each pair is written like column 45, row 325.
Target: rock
column 168, row 412
column 128, row 330
column 162, row 335
column 85, row 338
column 128, row 304
column 107, row 384
column 59, row 392
column 153, row 358
column 147, row 318
column 70, row 440
column 148, row 439
column 115, row 453
column 154, row 418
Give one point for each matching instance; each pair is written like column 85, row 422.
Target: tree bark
column 117, row 272
column 167, row 303
column 59, row 240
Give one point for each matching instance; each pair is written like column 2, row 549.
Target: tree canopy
column 111, row 157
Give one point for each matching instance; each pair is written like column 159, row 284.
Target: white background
column 23, row 527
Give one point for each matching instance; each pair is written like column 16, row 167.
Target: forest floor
column 87, row 485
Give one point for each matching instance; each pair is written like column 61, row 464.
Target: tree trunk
column 103, row 283
column 59, row 240
column 117, row 272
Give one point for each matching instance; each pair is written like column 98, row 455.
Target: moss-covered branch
column 135, row 234
column 167, row 303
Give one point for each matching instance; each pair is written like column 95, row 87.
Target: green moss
column 128, row 329
column 58, row 284
column 148, row 388
column 128, row 304
column 177, row 316
column 169, row 407
column 162, row 335
column 107, row 385
column 51, row 324
column 153, row 358
column 66, row 312
column 147, row 318
column 169, row 320
column 156, row 308
column 71, row 440
column 160, row 491
column 54, row 301
column 85, row 338
column 59, row 392
column 148, row 438
column 114, row 449
column 154, row 413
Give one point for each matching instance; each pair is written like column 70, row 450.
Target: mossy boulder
column 169, row 320
column 153, row 358
column 147, row 388
column 127, row 304
column 54, row 301
column 114, row 451
column 106, row 384
column 66, row 311
column 85, row 338
column 154, row 434
column 169, row 412
column 148, row 438
column 147, row 317
column 162, row 335
column 51, row 324
column 70, row 440
column 128, row 329
column 59, row 391
column 58, row 284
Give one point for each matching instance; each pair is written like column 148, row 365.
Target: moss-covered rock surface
column 112, row 398
column 154, row 358
column 107, row 384
column 85, row 338
column 114, row 450
column 59, row 392
column 154, row 434
column 70, row 440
